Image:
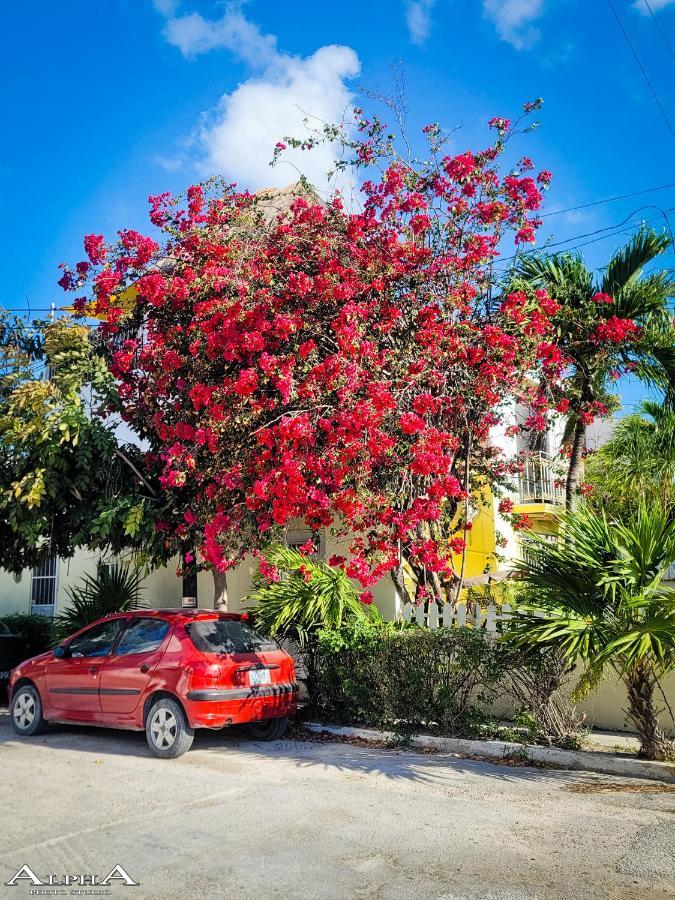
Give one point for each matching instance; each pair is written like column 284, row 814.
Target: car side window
column 96, row 641
column 142, row 636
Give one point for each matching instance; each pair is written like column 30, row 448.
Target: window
column 226, row 636
column 96, row 641
column 142, row 636
column 111, row 567
column 43, row 585
column 296, row 538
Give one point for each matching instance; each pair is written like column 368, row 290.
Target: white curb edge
column 583, row 760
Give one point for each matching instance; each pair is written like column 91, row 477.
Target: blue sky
column 107, row 101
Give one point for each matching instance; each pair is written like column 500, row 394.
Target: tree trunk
column 643, row 714
column 219, row 591
column 575, row 471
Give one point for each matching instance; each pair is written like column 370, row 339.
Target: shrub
column 37, row 631
column 407, row 677
column 293, row 597
column 445, row 680
column 536, row 679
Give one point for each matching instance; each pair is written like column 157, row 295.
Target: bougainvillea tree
column 341, row 368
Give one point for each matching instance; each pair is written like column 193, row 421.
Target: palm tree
column 644, row 298
column 113, row 589
column 638, row 463
column 597, row 596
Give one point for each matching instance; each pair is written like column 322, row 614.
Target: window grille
column 43, row 585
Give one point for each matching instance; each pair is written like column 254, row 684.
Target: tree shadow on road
column 307, row 753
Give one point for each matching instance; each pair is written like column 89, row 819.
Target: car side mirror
column 59, row 652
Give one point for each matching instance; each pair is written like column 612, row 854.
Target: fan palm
column 644, row 298
column 637, row 462
column 112, row 589
column 598, row 595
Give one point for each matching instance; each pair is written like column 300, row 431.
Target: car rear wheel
column 268, row 729
column 167, row 729
column 26, row 711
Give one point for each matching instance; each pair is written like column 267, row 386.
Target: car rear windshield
column 227, row 636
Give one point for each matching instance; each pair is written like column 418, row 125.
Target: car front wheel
column 268, row 729
column 167, row 729
column 26, row 711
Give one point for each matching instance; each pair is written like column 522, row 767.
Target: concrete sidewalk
column 608, row 753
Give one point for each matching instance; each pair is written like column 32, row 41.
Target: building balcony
column 538, row 493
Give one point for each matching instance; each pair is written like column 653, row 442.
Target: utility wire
column 661, row 31
column 559, row 212
column 642, row 68
column 607, row 231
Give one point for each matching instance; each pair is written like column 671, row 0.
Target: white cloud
column 513, row 20
column 642, row 7
column 166, row 7
column 236, row 139
column 239, row 139
column 193, row 34
column 418, row 19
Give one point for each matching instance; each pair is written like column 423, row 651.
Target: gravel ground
column 324, row 820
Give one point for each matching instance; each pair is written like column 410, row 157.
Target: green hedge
column 443, row 680
column 393, row 675
column 37, row 631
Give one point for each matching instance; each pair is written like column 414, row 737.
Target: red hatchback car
column 165, row 671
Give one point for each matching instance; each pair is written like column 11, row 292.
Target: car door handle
column 145, row 667
column 93, row 670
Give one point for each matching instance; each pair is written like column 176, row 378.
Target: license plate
column 259, row 676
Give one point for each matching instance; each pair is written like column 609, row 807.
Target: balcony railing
column 537, row 482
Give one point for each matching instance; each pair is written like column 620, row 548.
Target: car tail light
column 202, row 673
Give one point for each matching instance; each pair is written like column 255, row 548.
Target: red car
column 164, row 671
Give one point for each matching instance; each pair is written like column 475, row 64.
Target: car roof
column 169, row 613
column 172, row 612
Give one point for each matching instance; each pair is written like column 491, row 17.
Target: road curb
column 582, row 760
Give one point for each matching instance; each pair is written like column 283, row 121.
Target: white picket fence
column 491, row 618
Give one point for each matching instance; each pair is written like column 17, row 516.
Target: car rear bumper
column 213, row 708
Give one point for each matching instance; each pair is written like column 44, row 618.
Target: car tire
column 167, row 730
column 268, row 729
column 26, row 711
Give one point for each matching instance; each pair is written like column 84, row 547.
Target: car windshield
column 227, row 636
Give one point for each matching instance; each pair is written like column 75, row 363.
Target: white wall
column 162, row 587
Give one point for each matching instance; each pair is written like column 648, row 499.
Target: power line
column 612, row 231
column 642, row 68
column 559, row 212
column 661, row 31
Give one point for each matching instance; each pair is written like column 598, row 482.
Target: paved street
column 235, row 818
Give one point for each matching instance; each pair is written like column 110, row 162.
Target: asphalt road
column 289, row 819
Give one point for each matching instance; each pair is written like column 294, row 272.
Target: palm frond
column 564, row 275
column 655, row 364
column 309, row 595
column 112, row 589
column 627, row 263
column 597, row 594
